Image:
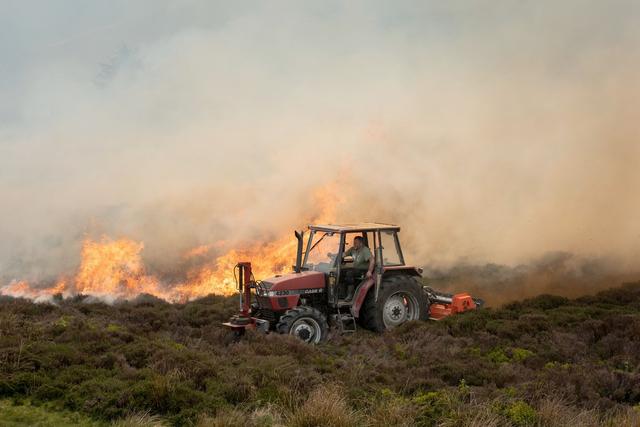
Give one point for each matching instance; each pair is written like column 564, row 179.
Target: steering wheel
column 347, row 259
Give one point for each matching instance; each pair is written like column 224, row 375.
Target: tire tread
column 290, row 316
column 370, row 308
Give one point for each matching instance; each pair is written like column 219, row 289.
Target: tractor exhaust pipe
column 298, row 266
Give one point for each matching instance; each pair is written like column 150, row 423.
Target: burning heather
column 112, row 269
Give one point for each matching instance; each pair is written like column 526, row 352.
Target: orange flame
column 113, row 269
column 22, row 289
column 267, row 259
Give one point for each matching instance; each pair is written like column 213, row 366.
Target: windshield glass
column 322, row 251
column 390, row 252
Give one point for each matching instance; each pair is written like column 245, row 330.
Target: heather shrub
column 544, row 361
column 556, row 412
column 540, row 302
column 261, row 417
column 390, row 409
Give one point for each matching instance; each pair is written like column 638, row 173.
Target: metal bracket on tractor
column 243, row 320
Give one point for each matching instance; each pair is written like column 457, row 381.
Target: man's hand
column 372, row 265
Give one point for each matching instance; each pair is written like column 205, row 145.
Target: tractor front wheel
column 305, row 323
column 400, row 300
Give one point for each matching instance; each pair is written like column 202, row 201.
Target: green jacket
column 360, row 257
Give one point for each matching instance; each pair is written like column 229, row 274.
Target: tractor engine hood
column 295, row 281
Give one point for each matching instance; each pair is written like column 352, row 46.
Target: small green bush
column 498, row 355
column 432, row 407
column 520, row 354
column 28, row 415
column 521, row 414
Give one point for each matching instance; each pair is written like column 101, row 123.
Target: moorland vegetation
column 548, row 361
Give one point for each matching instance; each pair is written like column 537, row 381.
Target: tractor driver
column 362, row 258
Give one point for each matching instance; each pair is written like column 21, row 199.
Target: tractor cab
column 327, row 245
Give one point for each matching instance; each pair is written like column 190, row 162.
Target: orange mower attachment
column 443, row 305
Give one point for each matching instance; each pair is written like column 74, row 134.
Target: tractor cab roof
column 361, row 226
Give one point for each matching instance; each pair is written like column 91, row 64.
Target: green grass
column 19, row 415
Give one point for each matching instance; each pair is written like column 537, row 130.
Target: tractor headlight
column 262, row 288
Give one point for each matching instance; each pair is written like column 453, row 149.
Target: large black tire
column 305, row 323
column 402, row 297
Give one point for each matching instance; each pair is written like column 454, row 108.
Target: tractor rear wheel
column 305, row 323
column 400, row 300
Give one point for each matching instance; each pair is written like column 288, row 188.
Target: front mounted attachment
column 244, row 282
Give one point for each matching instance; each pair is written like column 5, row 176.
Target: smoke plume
column 492, row 132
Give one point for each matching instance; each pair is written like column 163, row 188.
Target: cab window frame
column 398, row 250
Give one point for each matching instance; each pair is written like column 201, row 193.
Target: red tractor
column 327, row 288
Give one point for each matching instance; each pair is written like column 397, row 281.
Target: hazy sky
column 491, row 130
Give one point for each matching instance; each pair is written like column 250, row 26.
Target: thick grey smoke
column 491, row 131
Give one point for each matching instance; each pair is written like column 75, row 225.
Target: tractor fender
column 360, row 294
column 403, row 269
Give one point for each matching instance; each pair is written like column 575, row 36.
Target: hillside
column 543, row 361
